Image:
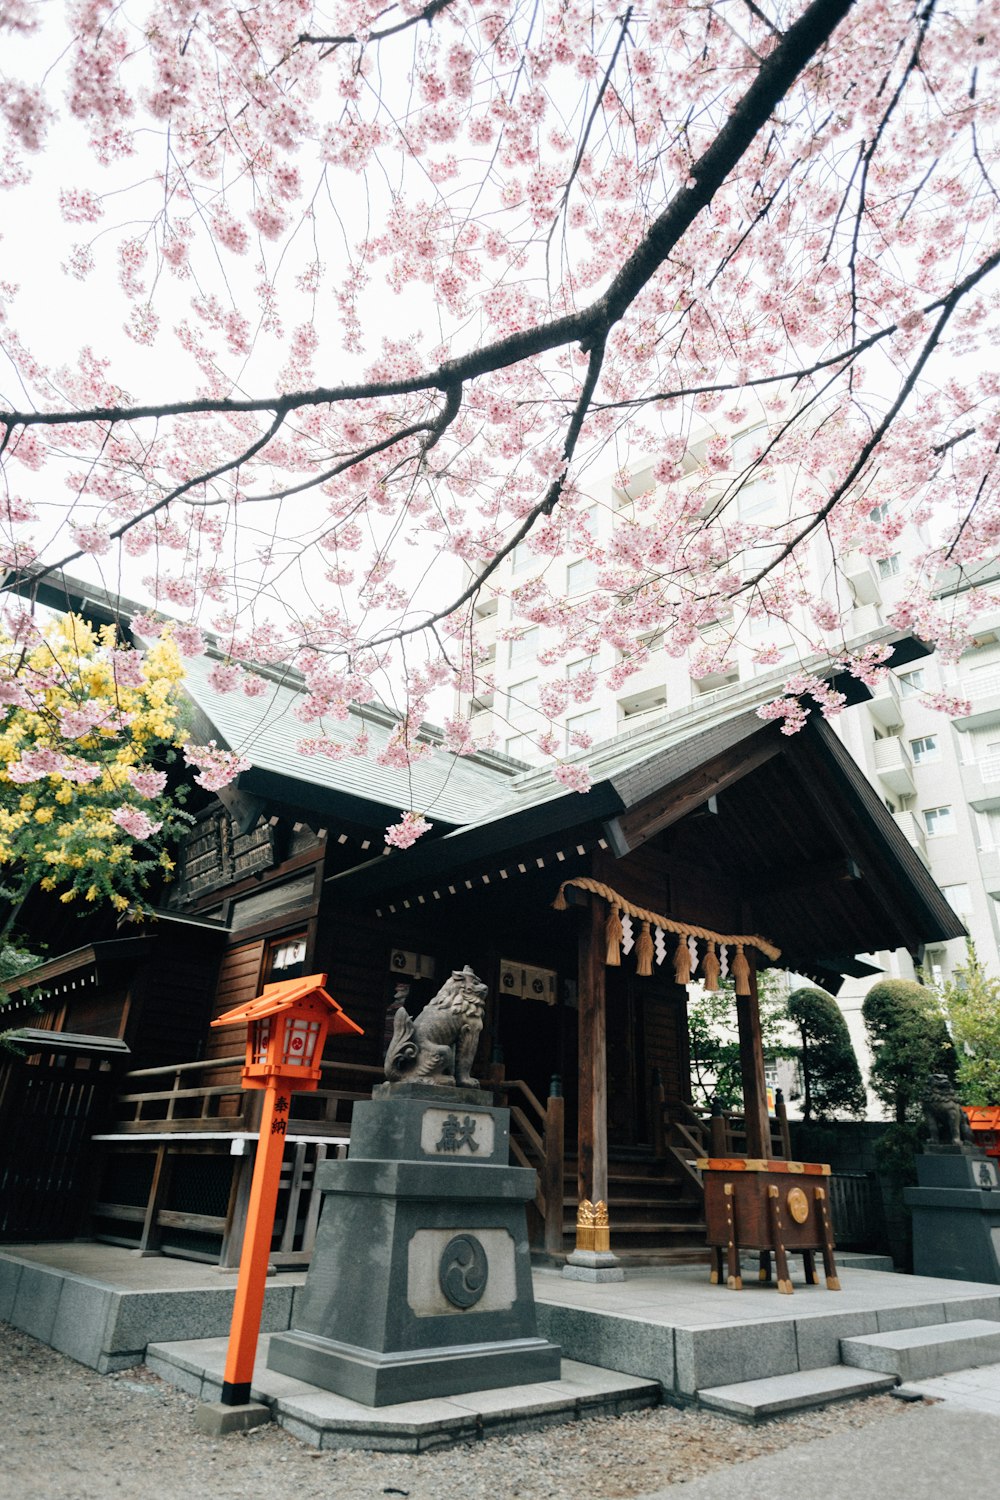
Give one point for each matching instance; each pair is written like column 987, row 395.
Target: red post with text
column 287, row 1028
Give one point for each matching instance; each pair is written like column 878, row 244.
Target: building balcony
column 893, row 766
column 981, row 783
column 983, row 691
column 883, row 705
column 641, row 711
column 913, row 831
column 989, row 868
column 861, row 575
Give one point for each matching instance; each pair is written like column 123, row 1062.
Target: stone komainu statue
column 947, row 1122
column 439, row 1046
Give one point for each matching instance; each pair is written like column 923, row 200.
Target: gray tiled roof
column 447, row 788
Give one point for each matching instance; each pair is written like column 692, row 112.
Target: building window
column 878, row 513
column 911, row 683
column 641, row 704
column 580, row 576
column 888, row 567
column 522, row 701
column 582, row 724
column 938, row 821
column 924, row 749
column 574, row 668
column 753, row 499
column 286, row 958
column 524, row 647
column 522, row 557
column 520, row 747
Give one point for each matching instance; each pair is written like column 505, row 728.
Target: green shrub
column 832, row 1082
column 909, row 1042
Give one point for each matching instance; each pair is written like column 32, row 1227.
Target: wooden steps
column 656, row 1213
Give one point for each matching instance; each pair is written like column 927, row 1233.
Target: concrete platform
column 672, row 1326
column 324, row 1420
column 103, row 1305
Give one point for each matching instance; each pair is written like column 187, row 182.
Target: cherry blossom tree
column 368, row 294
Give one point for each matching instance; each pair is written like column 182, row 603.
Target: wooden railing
column 686, row 1134
column 149, row 1103
column 171, row 1100
column 537, row 1140
column 175, row 1115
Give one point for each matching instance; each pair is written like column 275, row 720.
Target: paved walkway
column 968, row 1390
column 929, row 1451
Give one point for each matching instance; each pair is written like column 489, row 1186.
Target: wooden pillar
column 758, row 1126
column 553, row 1186
column 592, row 1133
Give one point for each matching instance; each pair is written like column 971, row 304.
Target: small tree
column 716, row 1072
column 971, row 999
column 832, row 1081
column 909, row 1042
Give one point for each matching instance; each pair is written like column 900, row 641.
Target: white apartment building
column 940, row 778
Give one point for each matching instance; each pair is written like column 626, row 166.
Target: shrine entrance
column 628, row 1124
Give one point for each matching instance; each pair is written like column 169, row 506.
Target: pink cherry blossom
column 147, row 782
column 536, row 314
column 134, row 822
column 216, row 767
column 411, row 827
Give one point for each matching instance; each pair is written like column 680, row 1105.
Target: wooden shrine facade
column 719, row 824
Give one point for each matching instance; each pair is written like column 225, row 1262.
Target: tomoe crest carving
column 463, row 1271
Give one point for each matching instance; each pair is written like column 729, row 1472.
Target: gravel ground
column 70, row 1434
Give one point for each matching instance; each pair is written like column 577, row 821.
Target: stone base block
column 411, row 1375
column 593, row 1265
column 215, row 1419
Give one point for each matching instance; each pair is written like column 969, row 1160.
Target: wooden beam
column 758, row 1127
column 813, row 877
column 592, row 1129
column 664, row 807
column 830, row 808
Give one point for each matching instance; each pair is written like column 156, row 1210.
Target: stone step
column 750, row 1399
column 918, row 1353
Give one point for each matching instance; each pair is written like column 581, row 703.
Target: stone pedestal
column 420, row 1282
column 956, row 1214
column 593, row 1265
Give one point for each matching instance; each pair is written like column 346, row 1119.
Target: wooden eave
column 470, row 848
column 821, row 866
column 98, row 956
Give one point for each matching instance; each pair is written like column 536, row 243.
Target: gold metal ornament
column 797, row 1204
column 585, row 1219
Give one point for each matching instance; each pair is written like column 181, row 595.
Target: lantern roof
column 285, row 994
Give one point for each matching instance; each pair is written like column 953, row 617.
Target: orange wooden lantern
column 287, row 1027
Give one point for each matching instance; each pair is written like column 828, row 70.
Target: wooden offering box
column 771, row 1206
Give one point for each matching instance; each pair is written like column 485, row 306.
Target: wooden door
column 626, row 1059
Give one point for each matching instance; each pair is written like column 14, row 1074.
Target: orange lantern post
column 287, row 1027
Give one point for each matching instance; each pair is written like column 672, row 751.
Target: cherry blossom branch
column 544, row 507
column 775, row 77
column 948, row 304
column 427, row 14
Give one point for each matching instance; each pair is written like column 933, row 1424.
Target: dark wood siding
column 173, row 1000
column 239, row 982
column 353, row 950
